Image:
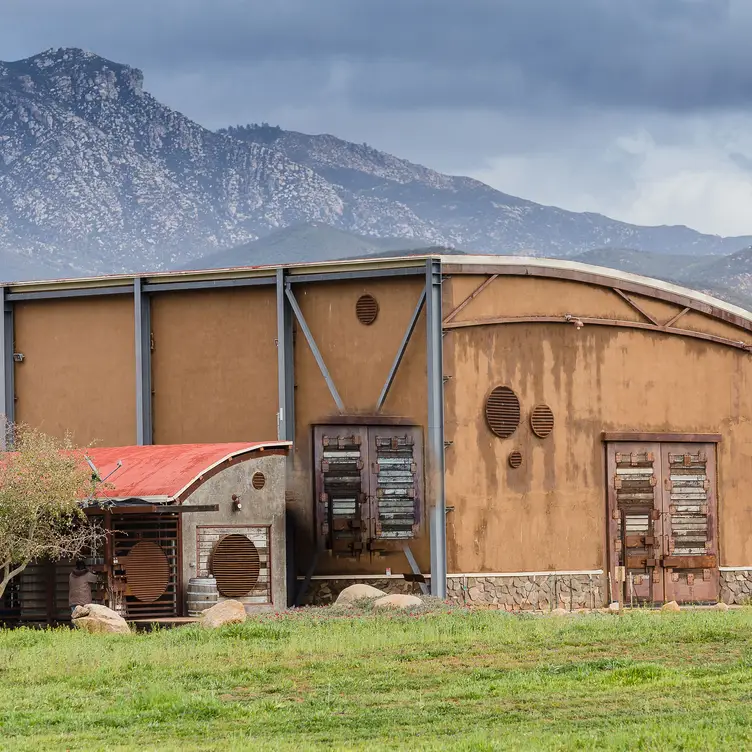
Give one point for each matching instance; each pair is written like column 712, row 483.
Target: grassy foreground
column 467, row 681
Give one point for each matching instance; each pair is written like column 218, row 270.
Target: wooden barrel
column 202, row 594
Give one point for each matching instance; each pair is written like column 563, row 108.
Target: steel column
column 401, row 351
column 435, row 439
column 142, row 318
column 7, row 389
column 314, row 348
column 285, row 364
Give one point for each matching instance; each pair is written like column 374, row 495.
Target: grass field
column 467, row 681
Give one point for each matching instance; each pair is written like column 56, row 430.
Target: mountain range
column 97, row 176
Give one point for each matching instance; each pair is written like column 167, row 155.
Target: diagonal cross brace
column 401, row 351
column 314, row 348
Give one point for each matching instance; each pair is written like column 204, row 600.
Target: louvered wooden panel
column 396, row 513
column 503, row 411
column 689, row 486
column 542, row 421
column 162, row 530
column 235, row 564
column 147, row 571
column 367, row 309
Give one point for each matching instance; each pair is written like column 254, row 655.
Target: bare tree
column 45, row 484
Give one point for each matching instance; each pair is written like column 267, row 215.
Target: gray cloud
column 661, row 54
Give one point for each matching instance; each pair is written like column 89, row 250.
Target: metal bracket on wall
column 314, row 348
column 415, row 568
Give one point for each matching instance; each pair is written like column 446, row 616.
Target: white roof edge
column 243, row 450
column 615, row 274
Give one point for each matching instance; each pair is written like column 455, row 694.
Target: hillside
column 97, row 176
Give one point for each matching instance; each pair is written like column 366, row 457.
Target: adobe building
column 517, row 431
column 174, row 516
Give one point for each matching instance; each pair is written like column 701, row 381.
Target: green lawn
column 474, row 681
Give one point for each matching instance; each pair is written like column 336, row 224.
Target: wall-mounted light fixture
column 236, row 505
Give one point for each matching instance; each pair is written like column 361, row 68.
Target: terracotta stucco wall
column 214, row 366
column 550, row 513
column 78, row 372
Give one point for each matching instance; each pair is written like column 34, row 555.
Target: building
column 172, row 514
column 519, row 431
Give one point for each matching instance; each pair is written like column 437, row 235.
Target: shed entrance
column 662, row 532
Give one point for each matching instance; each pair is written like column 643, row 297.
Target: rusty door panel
column 342, row 510
column 635, row 526
column 395, row 491
column 690, row 545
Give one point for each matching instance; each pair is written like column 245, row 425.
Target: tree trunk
column 9, row 574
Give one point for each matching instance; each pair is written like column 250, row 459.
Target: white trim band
column 561, row 573
column 735, row 569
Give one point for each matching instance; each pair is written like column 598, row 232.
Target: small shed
column 173, row 513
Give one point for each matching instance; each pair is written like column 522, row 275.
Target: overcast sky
column 639, row 109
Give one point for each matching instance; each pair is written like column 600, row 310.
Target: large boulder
column 99, row 619
column 225, row 612
column 398, row 600
column 356, row 593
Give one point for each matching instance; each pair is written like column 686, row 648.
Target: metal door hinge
column 18, row 357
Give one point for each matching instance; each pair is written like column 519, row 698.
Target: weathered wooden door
column 661, row 528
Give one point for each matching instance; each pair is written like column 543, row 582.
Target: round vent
column 515, row 459
column 147, row 571
column 258, row 480
column 503, row 411
column 542, row 421
column 235, row 565
column 366, row 309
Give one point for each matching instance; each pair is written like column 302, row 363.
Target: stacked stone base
column 509, row 593
column 528, row 592
column 736, row 587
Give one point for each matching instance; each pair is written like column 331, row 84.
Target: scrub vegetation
column 323, row 678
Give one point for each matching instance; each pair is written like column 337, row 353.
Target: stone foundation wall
column 510, row 593
column 528, row 592
column 325, row 592
column 736, row 587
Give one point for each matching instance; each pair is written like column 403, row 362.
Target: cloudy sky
column 639, row 109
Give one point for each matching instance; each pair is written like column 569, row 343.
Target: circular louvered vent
column 235, row 565
column 147, row 571
column 542, row 421
column 366, row 309
column 258, row 481
column 515, row 459
column 503, row 411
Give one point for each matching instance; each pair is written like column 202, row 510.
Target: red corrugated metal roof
column 162, row 472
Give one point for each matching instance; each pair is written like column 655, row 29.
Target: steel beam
column 7, row 390
column 414, row 567
column 142, row 318
column 314, row 348
column 435, row 442
column 406, row 271
column 285, row 363
column 207, row 284
column 80, row 292
column 401, row 351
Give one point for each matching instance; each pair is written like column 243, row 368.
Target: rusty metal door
column 635, row 523
column 662, row 530
column 690, row 541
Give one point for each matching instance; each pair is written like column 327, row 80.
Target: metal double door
column 662, row 514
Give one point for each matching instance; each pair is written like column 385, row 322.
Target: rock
column 559, row 612
column 613, row 607
column 671, row 606
column 398, row 601
column 225, row 612
column 721, row 607
column 357, row 592
column 99, row 619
